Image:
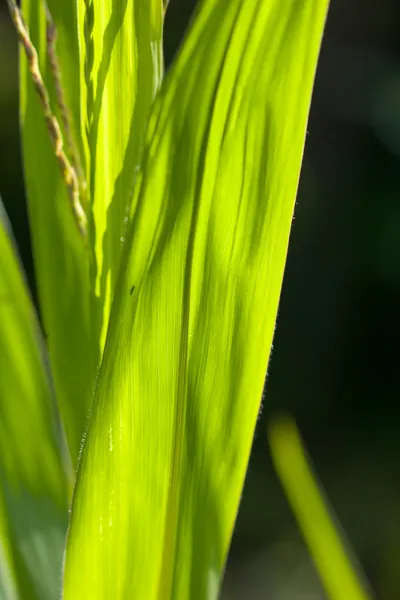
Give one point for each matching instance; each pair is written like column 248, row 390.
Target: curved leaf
column 177, row 400
column 34, row 490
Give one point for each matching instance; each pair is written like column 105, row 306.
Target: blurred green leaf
column 342, row 579
column 8, row 574
column 180, row 385
column 34, row 490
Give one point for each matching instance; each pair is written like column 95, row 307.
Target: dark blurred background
column 335, row 363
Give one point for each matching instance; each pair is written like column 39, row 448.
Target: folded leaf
column 34, row 489
column 180, row 385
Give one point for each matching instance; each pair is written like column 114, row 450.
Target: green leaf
column 8, row 573
column 341, row 579
column 107, row 51
column 34, row 490
column 61, row 258
column 190, row 334
column 122, row 67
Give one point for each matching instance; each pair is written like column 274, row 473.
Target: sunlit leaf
column 34, row 490
column 122, row 65
column 106, row 51
column 190, row 334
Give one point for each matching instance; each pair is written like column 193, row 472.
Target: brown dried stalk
column 51, row 35
column 68, row 172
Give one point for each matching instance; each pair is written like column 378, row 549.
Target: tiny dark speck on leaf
column 132, row 288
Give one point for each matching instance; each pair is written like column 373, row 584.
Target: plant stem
column 51, row 35
column 67, row 170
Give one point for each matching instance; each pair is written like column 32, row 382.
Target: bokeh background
column 335, row 364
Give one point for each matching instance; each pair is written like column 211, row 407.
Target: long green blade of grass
column 332, row 560
column 190, row 334
column 34, row 491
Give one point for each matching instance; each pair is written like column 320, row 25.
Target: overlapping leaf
column 190, row 334
column 34, row 491
column 122, row 64
column 107, row 51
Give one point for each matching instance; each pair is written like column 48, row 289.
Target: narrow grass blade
column 180, row 385
column 34, row 490
column 122, row 63
column 325, row 543
column 61, row 256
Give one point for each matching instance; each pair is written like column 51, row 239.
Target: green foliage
column 60, row 256
column 189, row 202
column 121, row 64
column 107, row 118
column 184, row 367
column 34, row 490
